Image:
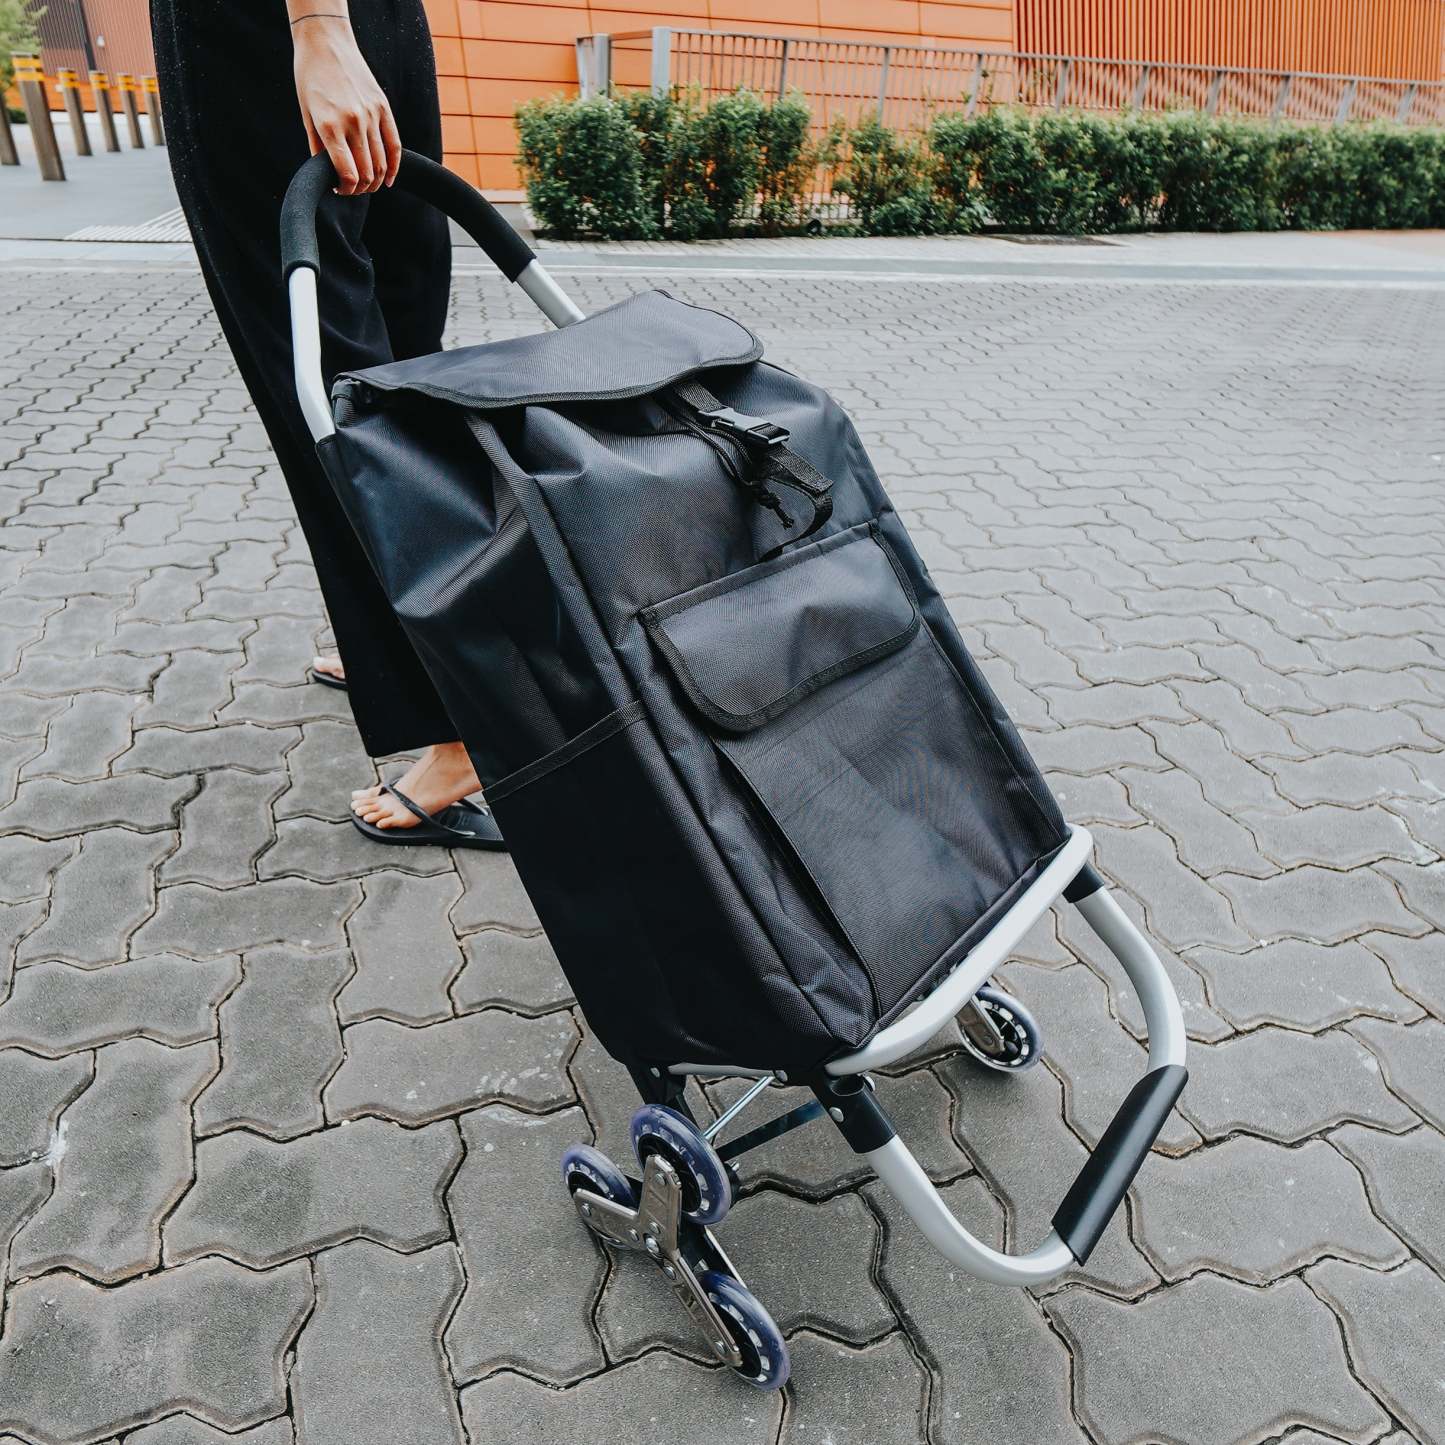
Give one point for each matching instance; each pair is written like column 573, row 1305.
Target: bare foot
column 441, row 776
column 330, row 665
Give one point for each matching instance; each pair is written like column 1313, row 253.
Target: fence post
column 1406, row 101
column 1061, row 94
column 661, row 59
column 132, row 114
column 9, row 156
column 1283, row 96
column 1141, row 89
column 783, row 68
column 1211, row 104
column 70, row 94
column 973, row 87
column 31, row 80
column 100, row 89
column 1347, row 101
column 883, row 80
column 153, row 105
column 582, row 46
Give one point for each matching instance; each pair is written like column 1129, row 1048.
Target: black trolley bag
column 772, row 818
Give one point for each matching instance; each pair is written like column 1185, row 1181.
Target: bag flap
column 635, row 347
column 746, row 648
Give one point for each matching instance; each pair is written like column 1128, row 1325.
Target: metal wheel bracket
column 657, row 1230
column 980, row 1028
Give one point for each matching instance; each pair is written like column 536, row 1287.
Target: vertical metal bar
column 153, row 106
column 1061, row 93
column 883, row 80
column 783, row 68
column 974, row 85
column 1347, row 100
column 1211, row 103
column 100, row 89
column 31, row 81
column 1141, row 89
column 132, row 114
column 9, row 156
column 1281, row 98
column 1402, row 113
column 582, row 50
column 661, row 59
column 602, row 64
column 70, row 92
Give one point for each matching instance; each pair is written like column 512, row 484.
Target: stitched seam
column 583, row 743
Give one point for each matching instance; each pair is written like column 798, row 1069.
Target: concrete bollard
column 132, row 111
column 100, row 89
column 70, row 94
column 31, row 81
column 153, row 107
column 9, row 156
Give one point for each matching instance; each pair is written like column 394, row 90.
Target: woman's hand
column 346, row 112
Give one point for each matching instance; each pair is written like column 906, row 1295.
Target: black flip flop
column 462, row 825
column 326, row 679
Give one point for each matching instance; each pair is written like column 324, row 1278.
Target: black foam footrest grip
column 1105, row 1178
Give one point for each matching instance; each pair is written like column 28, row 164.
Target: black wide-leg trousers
column 235, row 138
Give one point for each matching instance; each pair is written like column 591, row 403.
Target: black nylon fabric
column 759, row 806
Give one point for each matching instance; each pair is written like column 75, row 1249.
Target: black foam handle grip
column 422, row 177
column 1106, row 1176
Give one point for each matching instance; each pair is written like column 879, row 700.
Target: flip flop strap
column 422, row 814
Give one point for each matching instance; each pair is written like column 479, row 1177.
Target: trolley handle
column 420, row 176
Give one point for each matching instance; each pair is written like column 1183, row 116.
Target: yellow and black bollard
column 70, row 94
column 153, row 108
column 100, row 89
column 31, row 80
column 132, row 111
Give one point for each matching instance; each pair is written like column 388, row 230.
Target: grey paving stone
column 224, row 828
column 121, row 1159
column 1300, row 985
column 1228, row 781
column 368, row 1370
column 280, row 1042
column 27, row 865
column 533, row 1271
column 1254, row 1210
column 325, row 766
column 168, row 751
column 50, row 808
column 1413, row 1059
column 968, row 1332
column 1423, row 888
column 301, row 702
column 842, row 1396
column 1314, row 903
column 198, row 920
column 1346, row 779
column 1356, row 730
column 1094, row 1056
column 35, row 1091
column 1417, row 966
column 810, row 1264
column 23, row 1190
column 1426, row 822
column 1392, row 1324
column 1097, row 798
column 99, row 898
column 279, row 650
column 56, row 1009
column 1208, row 840
column 1012, row 1126
column 660, row 1399
column 1405, row 1177
column 82, row 740
column 1247, row 731
column 215, row 1335
column 1092, row 749
column 187, row 1430
column 260, row 1202
column 1331, row 836
column 1286, row 1086
column 308, row 847
column 416, row 1074
column 406, row 953
column 511, row 970
column 1281, row 1356
column 493, row 895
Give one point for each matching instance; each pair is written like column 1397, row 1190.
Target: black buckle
column 753, row 430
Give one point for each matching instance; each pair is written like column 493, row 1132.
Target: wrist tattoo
column 321, row 15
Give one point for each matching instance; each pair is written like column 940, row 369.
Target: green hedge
column 648, row 166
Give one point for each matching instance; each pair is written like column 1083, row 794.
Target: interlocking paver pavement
column 280, row 1112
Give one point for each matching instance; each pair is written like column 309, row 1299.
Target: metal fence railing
column 906, row 85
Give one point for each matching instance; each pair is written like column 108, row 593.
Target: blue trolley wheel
column 1022, row 1039
column 707, row 1193
column 765, row 1357
column 584, row 1167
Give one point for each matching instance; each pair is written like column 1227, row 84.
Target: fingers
column 391, row 141
column 378, row 156
column 338, row 147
